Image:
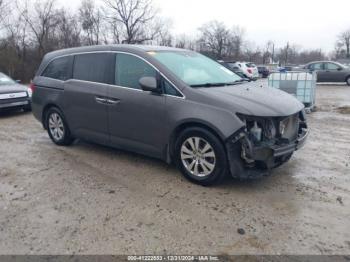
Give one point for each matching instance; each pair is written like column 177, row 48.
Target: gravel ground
column 89, row 199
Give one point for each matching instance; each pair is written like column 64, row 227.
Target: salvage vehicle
column 168, row 103
column 13, row 95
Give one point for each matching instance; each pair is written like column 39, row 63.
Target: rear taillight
column 250, row 71
column 32, row 87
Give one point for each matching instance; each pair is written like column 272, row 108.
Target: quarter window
column 59, row 68
column 98, row 67
column 170, row 90
column 129, row 70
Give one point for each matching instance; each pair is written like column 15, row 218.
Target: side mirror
column 149, row 83
column 18, row 81
column 340, row 68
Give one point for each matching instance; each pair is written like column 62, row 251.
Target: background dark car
column 263, row 71
column 328, row 71
column 13, row 95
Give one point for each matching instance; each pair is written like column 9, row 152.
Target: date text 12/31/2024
column 173, row 258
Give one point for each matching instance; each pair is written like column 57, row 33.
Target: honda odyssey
column 168, row 103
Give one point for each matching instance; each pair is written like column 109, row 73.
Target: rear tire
column 57, row 127
column 348, row 81
column 200, row 156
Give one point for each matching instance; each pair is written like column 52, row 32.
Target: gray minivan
column 168, row 103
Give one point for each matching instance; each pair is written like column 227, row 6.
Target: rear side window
column 129, row 70
column 98, row 67
column 59, row 68
column 316, row 66
column 331, row 66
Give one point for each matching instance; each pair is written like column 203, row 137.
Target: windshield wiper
column 214, row 84
column 242, row 80
column 208, row 84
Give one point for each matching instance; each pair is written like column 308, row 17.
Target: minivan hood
column 5, row 89
column 255, row 99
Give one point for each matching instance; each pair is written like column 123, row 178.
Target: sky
column 307, row 23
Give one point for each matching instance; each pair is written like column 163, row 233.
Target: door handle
column 101, row 100
column 111, row 101
column 106, row 100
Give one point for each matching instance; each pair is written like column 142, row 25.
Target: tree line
column 31, row 28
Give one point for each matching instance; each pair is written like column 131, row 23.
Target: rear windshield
column 5, row 80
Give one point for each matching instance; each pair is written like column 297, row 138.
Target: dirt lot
column 95, row 200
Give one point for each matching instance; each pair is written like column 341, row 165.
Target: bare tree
column 68, row 30
column 185, row 41
column 214, row 38
column 163, row 35
column 181, row 41
column 344, row 41
column 3, row 12
column 42, row 22
column 307, row 56
column 251, row 52
column 6, row 7
column 268, row 52
column 236, row 42
column 14, row 44
column 134, row 18
column 339, row 51
column 91, row 21
column 289, row 54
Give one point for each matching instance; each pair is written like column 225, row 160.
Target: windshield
column 195, row 69
column 5, row 80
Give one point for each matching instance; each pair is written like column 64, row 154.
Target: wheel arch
column 188, row 124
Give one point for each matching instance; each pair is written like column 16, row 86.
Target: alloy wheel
column 198, row 156
column 56, row 126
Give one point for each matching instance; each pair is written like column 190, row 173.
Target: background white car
column 250, row 70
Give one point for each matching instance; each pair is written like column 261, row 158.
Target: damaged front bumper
column 247, row 160
column 265, row 153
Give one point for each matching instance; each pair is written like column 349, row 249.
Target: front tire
column 57, row 127
column 200, row 156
